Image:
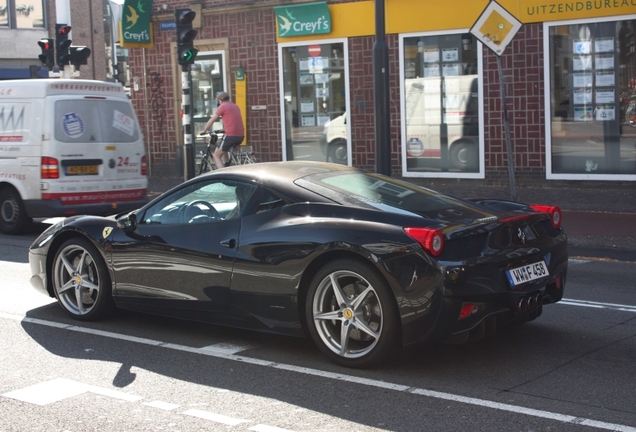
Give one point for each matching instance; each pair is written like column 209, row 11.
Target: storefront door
column 315, row 102
column 208, row 79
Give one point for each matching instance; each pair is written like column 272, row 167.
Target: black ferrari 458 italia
column 360, row 262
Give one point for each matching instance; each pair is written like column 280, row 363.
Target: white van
column 333, row 141
column 423, row 129
column 68, row 147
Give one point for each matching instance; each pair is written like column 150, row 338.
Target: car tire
column 338, row 152
column 362, row 302
column 13, row 217
column 81, row 281
column 464, row 155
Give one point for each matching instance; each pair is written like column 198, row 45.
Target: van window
column 95, row 121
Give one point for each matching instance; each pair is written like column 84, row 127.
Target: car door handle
column 229, row 243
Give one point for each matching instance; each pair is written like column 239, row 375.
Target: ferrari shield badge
column 107, row 231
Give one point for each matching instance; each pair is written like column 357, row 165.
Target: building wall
column 249, row 34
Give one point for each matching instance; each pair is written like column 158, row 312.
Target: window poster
column 582, row 80
column 583, row 96
column 604, row 61
column 605, row 113
column 582, row 47
column 307, row 106
column 605, row 79
column 431, row 55
column 306, row 79
column 451, row 69
column 582, row 63
column 604, row 44
column 322, row 78
column 582, row 114
column 322, row 92
column 450, row 54
column 605, row 96
column 431, row 70
column 308, row 120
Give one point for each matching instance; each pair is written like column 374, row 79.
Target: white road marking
column 59, row 389
column 161, row 405
column 218, row 418
column 228, row 348
column 265, row 428
column 577, row 261
column 598, row 305
column 563, row 418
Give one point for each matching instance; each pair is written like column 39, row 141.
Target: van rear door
column 100, row 151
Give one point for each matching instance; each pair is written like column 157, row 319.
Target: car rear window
column 380, row 192
column 95, row 121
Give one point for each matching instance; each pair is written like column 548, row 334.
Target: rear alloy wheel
column 351, row 314
column 13, row 217
column 338, row 152
column 81, row 281
column 464, row 155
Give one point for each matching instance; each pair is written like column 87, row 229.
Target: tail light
column 144, row 165
column 553, row 211
column 49, row 168
column 431, row 240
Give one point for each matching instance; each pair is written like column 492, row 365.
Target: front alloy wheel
column 351, row 314
column 81, row 281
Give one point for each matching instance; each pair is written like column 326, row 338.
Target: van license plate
column 82, row 170
column 527, row 273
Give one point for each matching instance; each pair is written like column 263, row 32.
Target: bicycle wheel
column 206, row 165
column 245, row 158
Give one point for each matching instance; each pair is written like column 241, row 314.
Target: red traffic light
column 64, row 30
column 45, row 44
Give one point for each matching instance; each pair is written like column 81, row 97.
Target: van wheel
column 338, row 152
column 13, row 217
column 464, row 155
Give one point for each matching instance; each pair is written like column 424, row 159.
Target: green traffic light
column 189, row 55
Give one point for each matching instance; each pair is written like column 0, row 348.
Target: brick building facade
column 244, row 34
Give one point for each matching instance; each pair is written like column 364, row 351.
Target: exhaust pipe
column 529, row 303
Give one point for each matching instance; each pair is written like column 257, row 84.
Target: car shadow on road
column 492, row 364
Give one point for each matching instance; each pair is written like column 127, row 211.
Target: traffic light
column 62, row 44
column 119, row 72
column 78, row 55
column 185, row 36
column 48, row 53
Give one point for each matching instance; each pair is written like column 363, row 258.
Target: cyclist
column 232, row 124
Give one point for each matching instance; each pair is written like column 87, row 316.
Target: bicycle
column 206, row 157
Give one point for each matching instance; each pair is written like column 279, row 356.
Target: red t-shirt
column 232, row 120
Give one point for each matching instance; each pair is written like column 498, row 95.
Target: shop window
column 315, row 100
column 208, row 80
column 22, row 15
column 442, row 132
column 591, row 128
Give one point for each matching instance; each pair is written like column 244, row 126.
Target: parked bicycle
column 236, row 157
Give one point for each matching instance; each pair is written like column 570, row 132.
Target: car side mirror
column 128, row 222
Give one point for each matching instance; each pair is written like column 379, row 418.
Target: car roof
column 286, row 171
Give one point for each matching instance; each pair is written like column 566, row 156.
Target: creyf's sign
column 301, row 20
column 134, row 27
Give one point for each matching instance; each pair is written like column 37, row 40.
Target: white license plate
column 527, row 273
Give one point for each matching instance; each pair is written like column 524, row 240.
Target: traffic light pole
column 186, row 119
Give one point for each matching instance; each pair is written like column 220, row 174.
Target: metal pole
column 188, row 147
column 147, row 111
column 511, row 160
column 381, row 94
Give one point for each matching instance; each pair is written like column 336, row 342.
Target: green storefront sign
column 135, row 28
column 300, row 20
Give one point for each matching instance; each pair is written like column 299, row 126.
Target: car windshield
column 379, row 192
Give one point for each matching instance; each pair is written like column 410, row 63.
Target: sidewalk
column 600, row 223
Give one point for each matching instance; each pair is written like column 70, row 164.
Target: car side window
column 201, row 202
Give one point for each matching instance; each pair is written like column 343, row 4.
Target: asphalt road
column 570, row 370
